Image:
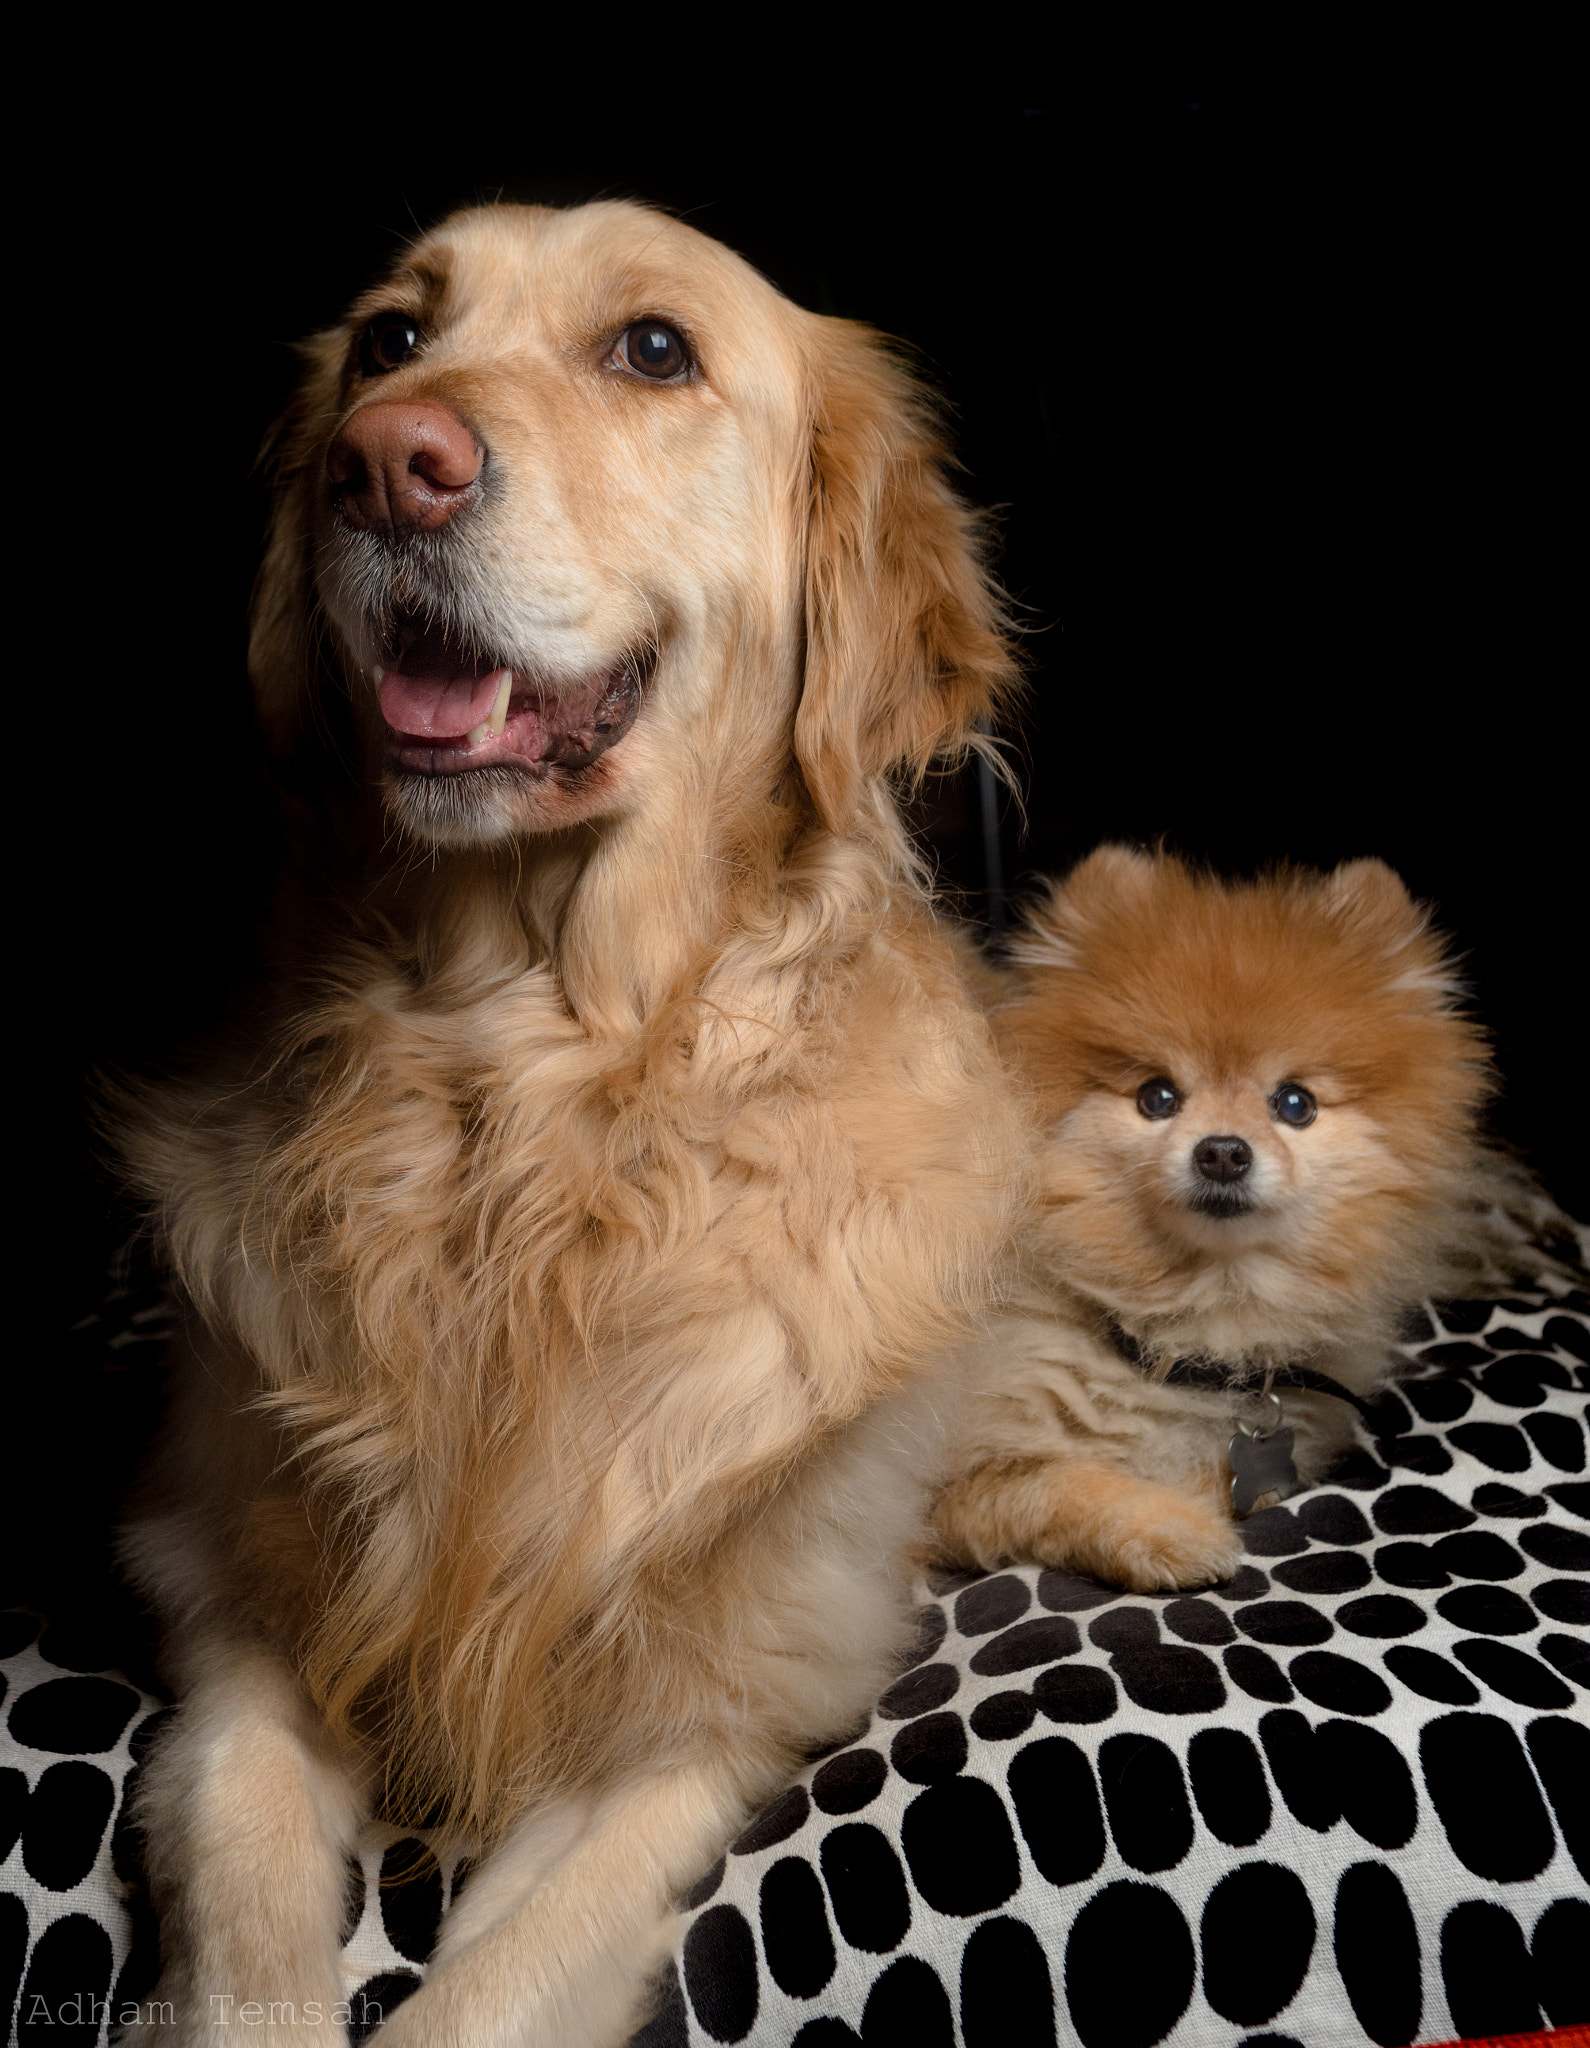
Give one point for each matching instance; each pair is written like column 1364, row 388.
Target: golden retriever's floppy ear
column 285, row 650
column 904, row 643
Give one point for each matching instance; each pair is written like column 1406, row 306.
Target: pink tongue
column 434, row 708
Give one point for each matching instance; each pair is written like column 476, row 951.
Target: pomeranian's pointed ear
column 1369, row 892
column 905, row 646
column 285, row 659
column 1057, row 922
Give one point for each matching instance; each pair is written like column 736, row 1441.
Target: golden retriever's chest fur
column 459, row 1240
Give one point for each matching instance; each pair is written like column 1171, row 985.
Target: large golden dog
column 571, row 1239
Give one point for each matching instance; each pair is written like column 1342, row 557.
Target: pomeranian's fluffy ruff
column 571, row 1236
column 1155, row 1012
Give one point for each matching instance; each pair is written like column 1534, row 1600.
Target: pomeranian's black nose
column 1222, row 1159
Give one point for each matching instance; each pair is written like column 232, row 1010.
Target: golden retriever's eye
column 1158, row 1099
column 388, row 342
column 1293, row 1105
column 653, row 349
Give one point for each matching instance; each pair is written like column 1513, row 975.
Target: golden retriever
column 571, row 1237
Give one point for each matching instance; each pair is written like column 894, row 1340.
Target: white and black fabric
column 1342, row 1799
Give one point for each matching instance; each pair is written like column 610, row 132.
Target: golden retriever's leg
column 249, row 1814
column 560, row 1932
column 1090, row 1516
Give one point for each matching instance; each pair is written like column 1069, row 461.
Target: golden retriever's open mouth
column 449, row 710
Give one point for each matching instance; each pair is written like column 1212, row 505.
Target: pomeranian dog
column 1259, row 1102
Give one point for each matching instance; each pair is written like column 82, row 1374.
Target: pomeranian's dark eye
column 1294, row 1105
column 389, row 341
column 1158, row 1099
column 654, row 349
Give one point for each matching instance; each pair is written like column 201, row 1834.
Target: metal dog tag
column 1262, row 1471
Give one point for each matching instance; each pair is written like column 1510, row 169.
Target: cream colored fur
column 1139, row 968
column 575, row 1230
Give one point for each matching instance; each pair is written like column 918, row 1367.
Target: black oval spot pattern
column 1326, row 1571
column 775, row 1823
column 13, row 1804
column 1377, row 1953
column 1044, row 1641
column 13, row 1953
column 1487, row 1972
column 930, row 1627
column 1057, row 1808
column 669, row 2024
column 720, row 1972
column 1229, row 1785
column 1558, row 1950
column 1559, row 1549
column 703, row 1889
column 1431, row 1677
column 1003, row 1716
column 1300, row 1777
column 990, row 1604
column 1259, row 1676
column 1382, row 1615
column 930, row 1749
column 866, row 1887
column 1564, row 1600
column 1481, row 1786
column 411, row 1899
column 1170, row 1679
column 1477, row 1554
column 1247, row 1582
column 1374, row 1786
column 1007, row 2000
column 1071, row 1593
column 1273, row 1532
column 1570, row 1654
column 1284, row 1621
column 1508, row 1502
column 1328, row 1518
column 17, row 1630
column 1199, row 1621
column 1513, row 1673
column 1105, row 1951
column 1124, row 1628
column 1440, row 1400
column 919, row 1692
column 1257, row 1937
column 76, row 1716
column 1489, row 1610
column 1497, row 1444
column 1561, row 1753
column 1146, row 1799
column 958, row 1842
column 1418, row 1511
column 1411, row 1564
column 66, row 1821
column 849, row 1781
column 908, row 2004
column 1075, row 1693
column 376, row 1999
column 795, row 1936
column 1339, row 1683
column 68, row 1978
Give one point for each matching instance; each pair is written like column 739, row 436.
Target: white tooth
column 476, row 734
column 378, row 673
column 499, row 710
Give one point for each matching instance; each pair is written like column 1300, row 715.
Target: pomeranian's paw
column 1175, row 1541
column 1087, row 1515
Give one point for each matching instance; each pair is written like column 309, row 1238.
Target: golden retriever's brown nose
column 400, row 468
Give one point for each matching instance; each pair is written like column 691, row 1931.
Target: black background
column 1266, row 382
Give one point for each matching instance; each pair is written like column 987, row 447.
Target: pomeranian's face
column 1239, row 1076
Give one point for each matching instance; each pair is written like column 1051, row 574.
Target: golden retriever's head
column 576, row 505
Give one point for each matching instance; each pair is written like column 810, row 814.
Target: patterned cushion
column 1340, row 1799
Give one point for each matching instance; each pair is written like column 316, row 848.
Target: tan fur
column 572, row 1237
column 1139, row 967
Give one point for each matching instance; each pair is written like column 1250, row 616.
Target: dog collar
column 1262, row 1466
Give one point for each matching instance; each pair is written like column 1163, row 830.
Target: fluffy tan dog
column 570, row 1236
column 1260, row 1106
